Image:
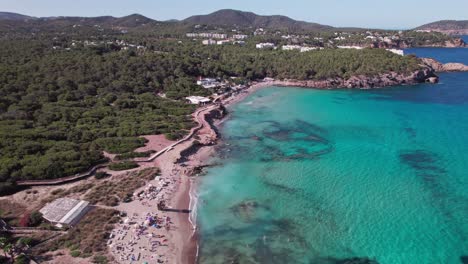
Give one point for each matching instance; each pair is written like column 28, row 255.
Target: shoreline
column 185, row 197
column 178, row 164
column 190, row 249
column 189, row 252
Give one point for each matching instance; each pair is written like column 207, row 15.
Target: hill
column 13, row 25
column 13, row 16
column 130, row 21
column 228, row 17
column 455, row 27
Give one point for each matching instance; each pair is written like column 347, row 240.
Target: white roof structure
column 198, row 99
column 64, row 211
column 397, row 51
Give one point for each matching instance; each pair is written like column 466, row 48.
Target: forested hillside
column 61, row 107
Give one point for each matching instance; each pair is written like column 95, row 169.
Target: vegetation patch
column 60, row 109
column 101, row 175
column 11, row 212
column 117, row 189
column 124, row 165
column 88, row 237
column 132, row 155
column 14, row 248
column 120, row 145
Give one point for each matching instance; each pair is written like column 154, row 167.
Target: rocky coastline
column 444, row 67
column 424, row 75
column 403, row 44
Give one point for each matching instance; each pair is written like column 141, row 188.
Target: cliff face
column 447, row 67
column 366, row 82
column 455, row 43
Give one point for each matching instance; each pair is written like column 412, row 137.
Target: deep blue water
column 325, row 176
column 443, row 55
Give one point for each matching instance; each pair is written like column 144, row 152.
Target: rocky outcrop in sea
column 447, row 67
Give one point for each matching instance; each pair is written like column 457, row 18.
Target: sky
column 395, row 14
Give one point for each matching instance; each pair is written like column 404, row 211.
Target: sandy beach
column 178, row 243
column 185, row 236
column 148, row 234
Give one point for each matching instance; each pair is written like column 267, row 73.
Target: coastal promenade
column 199, row 117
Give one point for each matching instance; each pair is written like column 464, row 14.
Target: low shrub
column 75, row 253
column 101, row 175
column 124, row 165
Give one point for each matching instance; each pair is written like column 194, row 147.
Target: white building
column 291, row 47
column 209, row 42
column 239, row 36
column 198, row 100
column 65, row 211
column 397, row 51
column 239, row 42
column 208, row 83
column 259, row 31
column 266, row 45
column 206, row 35
column 305, row 49
column 222, row 42
column 350, row 47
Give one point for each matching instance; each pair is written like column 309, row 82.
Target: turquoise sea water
column 322, row 176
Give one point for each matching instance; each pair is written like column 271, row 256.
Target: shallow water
column 319, row 176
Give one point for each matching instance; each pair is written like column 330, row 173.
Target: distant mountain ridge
column 14, row 16
column 225, row 17
column 229, row 17
column 456, row 27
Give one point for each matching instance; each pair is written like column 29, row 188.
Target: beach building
column 65, row 212
column 198, row 100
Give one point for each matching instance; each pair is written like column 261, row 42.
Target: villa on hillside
column 208, row 83
column 266, row 45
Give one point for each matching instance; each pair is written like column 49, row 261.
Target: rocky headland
column 404, row 44
column 447, row 67
column 424, row 75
